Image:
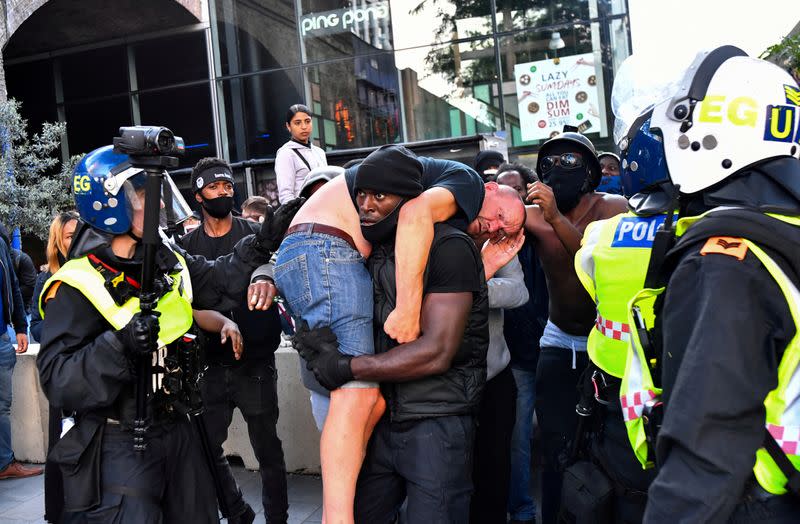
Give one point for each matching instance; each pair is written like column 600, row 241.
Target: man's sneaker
column 15, row 470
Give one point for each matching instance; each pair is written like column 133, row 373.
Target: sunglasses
column 565, row 160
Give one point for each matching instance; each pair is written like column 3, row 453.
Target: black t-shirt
column 260, row 329
column 197, row 242
column 461, row 180
column 446, row 270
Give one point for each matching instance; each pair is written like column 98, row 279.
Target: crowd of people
column 642, row 304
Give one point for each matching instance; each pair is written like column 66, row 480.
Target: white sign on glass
column 557, row 92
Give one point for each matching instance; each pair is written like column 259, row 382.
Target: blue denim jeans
column 521, row 505
column 8, row 358
column 326, row 283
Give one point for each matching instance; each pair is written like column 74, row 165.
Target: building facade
column 222, row 73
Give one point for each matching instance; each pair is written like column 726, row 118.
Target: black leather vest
column 457, row 391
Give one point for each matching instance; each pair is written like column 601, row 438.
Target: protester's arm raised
column 413, row 244
column 541, row 195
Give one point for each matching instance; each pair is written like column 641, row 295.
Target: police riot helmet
column 643, row 166
column 730, row 112
column 582, row 145
column 108, row 190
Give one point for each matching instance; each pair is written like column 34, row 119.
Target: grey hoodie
column 506, row 290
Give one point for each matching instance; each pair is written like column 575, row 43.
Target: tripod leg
column 211, row 461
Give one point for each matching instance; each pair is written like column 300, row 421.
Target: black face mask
column 383, row 230
column 219, row 207
column 569, row 185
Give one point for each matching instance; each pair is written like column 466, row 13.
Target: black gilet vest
column 458, row 390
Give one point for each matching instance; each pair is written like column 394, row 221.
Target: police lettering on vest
column 611, row 265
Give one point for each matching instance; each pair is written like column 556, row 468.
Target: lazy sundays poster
column 555, row 92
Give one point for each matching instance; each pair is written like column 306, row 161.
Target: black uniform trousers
column 429, row 461
column 252, row 387
column 168, row 483
column 613, row 451
column 491, row 472
column 556, row 397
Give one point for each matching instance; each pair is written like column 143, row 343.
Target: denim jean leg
column 521, row 505
column 326, row 283
column 8, row 360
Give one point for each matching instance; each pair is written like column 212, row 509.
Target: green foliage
column 32, row 184
column 515, row 15
column 786, row 54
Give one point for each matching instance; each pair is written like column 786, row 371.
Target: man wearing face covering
column 564, row 203
column 421, row 447
column 249, row 381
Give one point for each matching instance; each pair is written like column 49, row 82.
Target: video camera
column 148, row 141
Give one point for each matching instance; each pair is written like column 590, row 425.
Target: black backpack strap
column 784, row 464
column 298, row 153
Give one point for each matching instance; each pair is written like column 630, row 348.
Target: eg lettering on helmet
column 81, row 184
column 779, row 120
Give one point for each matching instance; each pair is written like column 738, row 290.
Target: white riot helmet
column 730, row 112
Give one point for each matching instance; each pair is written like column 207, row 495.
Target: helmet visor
column 641, row 83
column 174, row 208
column 174, row 203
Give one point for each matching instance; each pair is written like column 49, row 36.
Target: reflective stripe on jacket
column 175, row 306
column 612, row 265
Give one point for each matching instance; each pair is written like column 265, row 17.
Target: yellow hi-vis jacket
column 612, row 265
column 782, row 403
column 175, row 306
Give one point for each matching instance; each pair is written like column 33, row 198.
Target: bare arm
column 432, row 353
column 568, row 234
column 414, row 237
column 542, row 196
column 216, row 322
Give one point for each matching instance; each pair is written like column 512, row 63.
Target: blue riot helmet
column 643, row 165
column 109, row 190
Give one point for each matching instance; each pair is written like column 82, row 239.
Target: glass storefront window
column 448, row 90
column 253, row 112
column 167, row 61
column 90, row 74
column 95, row 123
column 553, row 98
column 336, row 29
column 31, row 83
column 359, row 101
column 254, row 35
column 522, row 14
column 421, row 23
column 187, row 112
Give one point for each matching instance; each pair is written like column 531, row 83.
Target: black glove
column 320, row 349
column 275, row 223
column 140, row 335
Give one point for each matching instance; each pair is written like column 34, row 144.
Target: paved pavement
column 22, row 501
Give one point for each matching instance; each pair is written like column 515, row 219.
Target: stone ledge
column 296, row 428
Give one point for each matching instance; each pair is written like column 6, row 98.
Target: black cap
column 579, row 143
column 391, row 169
column 488, row 158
